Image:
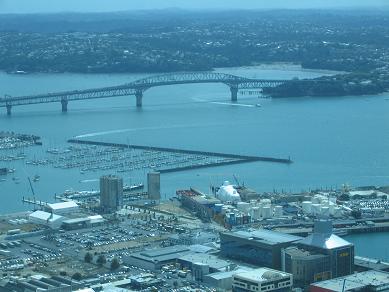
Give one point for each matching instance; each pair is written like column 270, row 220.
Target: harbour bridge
column 138, row 87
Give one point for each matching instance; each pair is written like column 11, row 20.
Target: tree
column 88, row 257
column 77, row 276
column 101, row 260
column 115, row 264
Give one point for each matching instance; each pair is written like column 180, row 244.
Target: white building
column 62, row 208
column 262, row 279
column 47, row 219
column 227, row 193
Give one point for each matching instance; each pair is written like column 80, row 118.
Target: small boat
column 36, row 178
column 258, row 105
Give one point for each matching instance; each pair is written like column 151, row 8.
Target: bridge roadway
column 138, row 87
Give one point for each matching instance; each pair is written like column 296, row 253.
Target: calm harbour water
column 331, row 140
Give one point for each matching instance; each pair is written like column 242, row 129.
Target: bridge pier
column 64, row 103
column 9, row 108
column 139, row 97
column 234, row 93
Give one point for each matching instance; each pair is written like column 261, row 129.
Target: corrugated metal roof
column 269, row 236
column 62, row 205
column 41, row 215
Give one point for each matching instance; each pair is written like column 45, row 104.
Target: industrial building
column 199, row 203
column 204, row 264
column 306, row 266
column 79, row 223
column 111, row 193
column 369, row 281
column 47, row 219
column 62, row 208
column 40, row 284
column 260, row 247
column 262, row 279
column 156, row 258
column 154, row 186
column 323, row 241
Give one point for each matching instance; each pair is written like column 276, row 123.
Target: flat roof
column 199, row 258
column 161, row 254
column 266, row 236
column 46, row 216
column 62, row 205
column 294, row 251
column 354, row 281
column 262, row 275
column 226, row 275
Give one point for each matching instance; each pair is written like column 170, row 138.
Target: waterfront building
column 263, row 279
column 47, row 219
column 260, row 247
column 306, row 266
column 323, row 241
column 111, row 193
column 62, row 208
column 154, row 186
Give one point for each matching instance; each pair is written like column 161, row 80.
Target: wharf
column 230, row 158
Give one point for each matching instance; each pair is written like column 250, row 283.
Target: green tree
column 88, row 257
column 101, row 260
column 115, row 264
column 77, row 276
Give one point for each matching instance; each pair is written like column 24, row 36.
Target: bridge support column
column 139, row 97
column 9, row 108
column 64, row 103
column 234, row 93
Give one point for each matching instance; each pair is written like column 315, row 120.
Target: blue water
column 331, row 140
column 372, row 245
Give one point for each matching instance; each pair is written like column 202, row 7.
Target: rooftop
column 62, row 205
column 162, row 254
column 212, row 261
column 267, row 236
column 356, row 281
column 296, row 252
column 49, row 217
column 262, row 275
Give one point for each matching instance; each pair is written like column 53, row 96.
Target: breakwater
column 223, row 158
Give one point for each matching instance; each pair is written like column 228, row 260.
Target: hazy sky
column 33, row 6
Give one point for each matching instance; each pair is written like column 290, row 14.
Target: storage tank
column 307, row 207
column 316, row 209
column 255, row 213
column 266, row 212
column 243, row 207
column 316, row 200
column 266, row 202
column 338, row 212
column 278, row 211
column 325, row 211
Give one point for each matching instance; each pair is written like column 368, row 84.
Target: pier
column 221, row 158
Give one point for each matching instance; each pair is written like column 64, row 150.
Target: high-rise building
column 111, row 193
column 154, row 186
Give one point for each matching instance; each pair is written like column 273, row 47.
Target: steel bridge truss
column 138, row 87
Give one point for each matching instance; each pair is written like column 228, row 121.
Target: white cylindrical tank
column 266, row 212
column 325, row 211
column 307, row 207
column 266, row 202
column 255, row 213
column 315, row 200
column 243, row 206
column 316, row 209
column 278, row 211
column 338, row 212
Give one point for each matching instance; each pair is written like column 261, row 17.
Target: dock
column 219, row 158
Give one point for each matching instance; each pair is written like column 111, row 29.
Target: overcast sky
column 34, row 6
